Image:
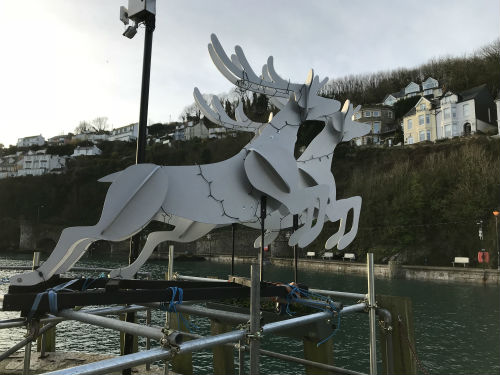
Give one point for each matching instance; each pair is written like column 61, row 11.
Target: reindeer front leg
column 68, row 243
column 75, row 256
column 317, row 200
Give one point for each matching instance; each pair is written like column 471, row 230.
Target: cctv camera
column 124, row 15
column 130, row 32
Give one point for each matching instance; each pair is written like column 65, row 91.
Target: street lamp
column 496, row 213
column 140, row 12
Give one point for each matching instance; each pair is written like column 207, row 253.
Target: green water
column 457, row 325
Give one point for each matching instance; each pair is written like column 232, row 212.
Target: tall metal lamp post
column 139, row 12
column 496, row 213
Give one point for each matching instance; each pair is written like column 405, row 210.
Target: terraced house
column 419, row 124
column 451, row 115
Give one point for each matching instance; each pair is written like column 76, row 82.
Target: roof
column 472, row 93
column 411, row 112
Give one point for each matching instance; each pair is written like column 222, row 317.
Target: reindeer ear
column 310, row 77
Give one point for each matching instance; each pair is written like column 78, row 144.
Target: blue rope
column 52, row 297
column 293, row 296
column 170, row 307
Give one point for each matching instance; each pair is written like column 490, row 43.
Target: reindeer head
column 342, row 127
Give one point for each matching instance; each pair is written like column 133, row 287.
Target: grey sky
column 64, row 61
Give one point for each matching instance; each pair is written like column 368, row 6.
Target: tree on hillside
column 100, row 125
column 83, row 127
column 453, row 73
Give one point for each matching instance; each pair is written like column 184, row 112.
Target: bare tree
column 83, row 127
column 100, row 124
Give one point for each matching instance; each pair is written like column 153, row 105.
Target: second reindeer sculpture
column 200, row 197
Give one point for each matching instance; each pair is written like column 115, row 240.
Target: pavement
column 60, row 360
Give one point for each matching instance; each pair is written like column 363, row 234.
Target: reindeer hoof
column 332, row 241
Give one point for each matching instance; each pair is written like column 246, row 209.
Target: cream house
column 419, row 124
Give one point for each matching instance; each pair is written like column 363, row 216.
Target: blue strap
column 52, row 297
column 293, row 297
column 170, row 307
column 89, row 281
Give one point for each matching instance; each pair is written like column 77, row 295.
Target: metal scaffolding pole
column 338, row 294
column 131, row 360
column 32, row 336
column 170, row 274
column 119, row 325
column 305, row 362
column 372, row 312
column 197, row 278
column 20, row 322
column 255, row 318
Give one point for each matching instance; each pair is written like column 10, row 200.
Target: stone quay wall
column 393, row 270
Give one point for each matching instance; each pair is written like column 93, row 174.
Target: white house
column 59, row 139
column 465, row 113
column 125, row 133
column 86, row 151
column 91, row 137
column 430, row 87
column 198, row 130
column 35, row 140
column 37, row 163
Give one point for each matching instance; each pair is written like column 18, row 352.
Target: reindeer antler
column 239, row 72
column 219, row 116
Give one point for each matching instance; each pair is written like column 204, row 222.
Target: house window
column 422, row 107
column 376, row 113
column 466, row 110
column 427, row 119
column 421, row 136
column 454, row 112
column 446, row 113
column 368, row 114
column 410, row 124
column 421, row 119
column 410, row 140
column 389, row 114
column 376, row 127
column 428, row 135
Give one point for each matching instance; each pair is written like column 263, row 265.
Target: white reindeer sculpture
column 204, row 196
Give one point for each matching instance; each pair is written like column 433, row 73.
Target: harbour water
column 457, row 326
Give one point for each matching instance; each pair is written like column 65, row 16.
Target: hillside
column 421, row 202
